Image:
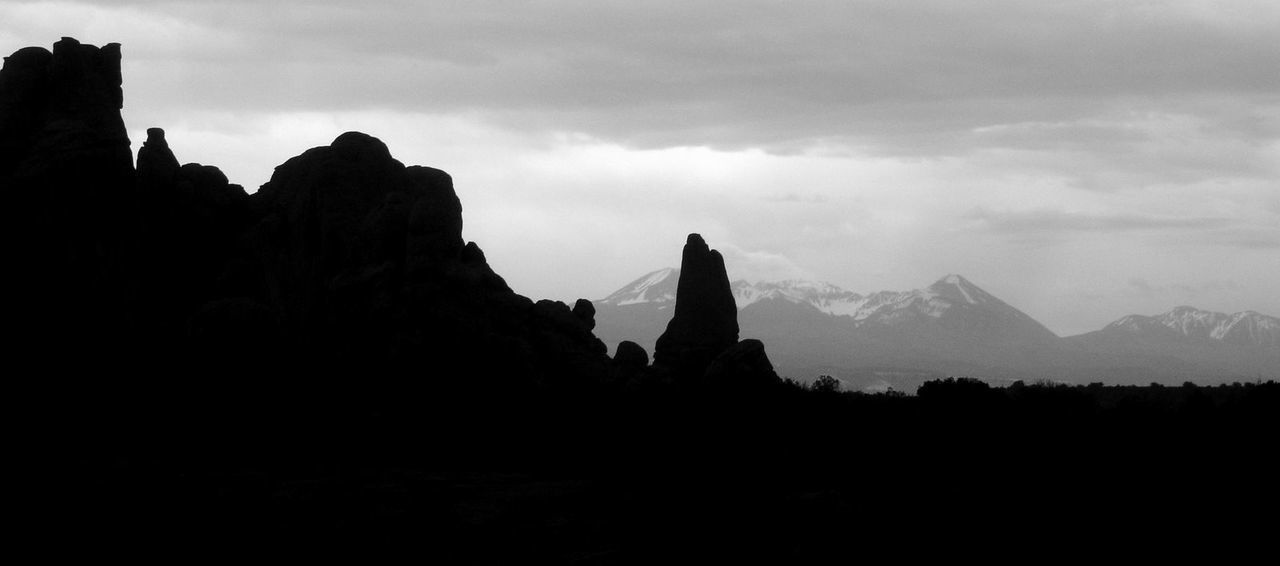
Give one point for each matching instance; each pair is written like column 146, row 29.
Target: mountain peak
column 957, row 289
column 949, row 292
column 1247, row 328
column 653, row 287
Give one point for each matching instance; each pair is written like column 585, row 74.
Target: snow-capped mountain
column 1208, row 345
column 808, row 322
column 658, row 287
column 952, row 302
column 951, row 294
column 1243, row 328
column 945, row 298
column 825, row 297
column 953, row 327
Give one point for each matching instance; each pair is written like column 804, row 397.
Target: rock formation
column 346, row 267
column 67, row 175
column 705, row 322
column 701, row 341
column 632, row 355
column 345, row 261
column 585, row 310
column 60, row 113
column 743, row 364
column 363, row 257
column 156, row 163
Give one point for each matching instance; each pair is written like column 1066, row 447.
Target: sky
column 1080, row 159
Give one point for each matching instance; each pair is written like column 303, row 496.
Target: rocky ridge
column 346, row 260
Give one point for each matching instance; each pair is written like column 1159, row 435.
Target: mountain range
column 898, row 339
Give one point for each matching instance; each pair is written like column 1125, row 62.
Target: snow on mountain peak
column 1191, row 321
column 1132, row 321
column 823, row 296
column 953, row 298
column 949, row 296
column 1247, row 328
column 957, row 289
column 885, row 306
column 654, row 287
column 933, row 301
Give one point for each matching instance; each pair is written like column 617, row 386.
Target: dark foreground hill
column 326, row 363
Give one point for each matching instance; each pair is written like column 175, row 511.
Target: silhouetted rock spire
column 706, row 319
column 156, row 163
column 586, row 312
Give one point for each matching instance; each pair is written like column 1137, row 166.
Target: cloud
column 1248, row 239
column 886, row 76
column 1105, row 95
column 797, row 198
column 1133, row 148
column 1058, row 221
column 1140, row 287
column 759, row 265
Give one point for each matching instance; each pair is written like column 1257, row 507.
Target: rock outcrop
column 345, row 261
column 362, row 257
column 631, row 355
column 67, row 176
column 585, row 310
column 705, row 322
column 701, row 343
column 60, row 114
column 743, row 364
column 157, row 164
column 346, row 265
column 335, row 228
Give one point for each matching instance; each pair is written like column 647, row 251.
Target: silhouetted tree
column 827, row 384
column 954, row 388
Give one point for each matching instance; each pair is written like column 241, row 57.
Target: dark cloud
column 1047, row 220
column 896, row 77
column 797, row 197
column 1141, row 287
column 1255, row 239
column 1048, row 227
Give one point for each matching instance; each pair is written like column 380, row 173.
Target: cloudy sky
column 1082, row 160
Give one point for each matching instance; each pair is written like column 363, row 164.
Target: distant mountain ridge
column 942, row 299
column 1246, row 328
column 655, row 287
column 954, row 327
